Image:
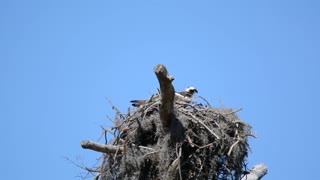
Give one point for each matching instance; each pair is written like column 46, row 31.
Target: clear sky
column 60, row 59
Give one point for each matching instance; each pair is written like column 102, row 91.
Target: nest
column 203, row 143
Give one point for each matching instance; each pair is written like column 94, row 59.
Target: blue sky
column 60, row 59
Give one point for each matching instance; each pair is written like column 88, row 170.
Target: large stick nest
column 203, row 143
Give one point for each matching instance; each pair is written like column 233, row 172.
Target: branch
column 256, row 173
column 230, row 150
column 202, row 123
column 104, row 148
column 167, row 95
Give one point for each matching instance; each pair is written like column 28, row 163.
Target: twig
column 204, row 125
column 204, row 100
column 190, row 141
column 151, row 106
column 232, row 112
column 104, row 133
column 210, row 144
column 180, row 149
column 252, row 135
column 110, row 119
column 84, row 168
column 230, row 150
column 115, row 155
column 151, row 153
column 176, row 161
column 143, row 147
column 113, row 107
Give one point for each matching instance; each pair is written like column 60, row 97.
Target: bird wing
column 180, row 98
column 137, row 103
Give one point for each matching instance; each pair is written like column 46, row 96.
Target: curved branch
column 167, row 96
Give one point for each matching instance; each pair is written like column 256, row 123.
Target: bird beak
column 196, row 91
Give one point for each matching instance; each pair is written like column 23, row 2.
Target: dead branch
column 204, row 100
column 232, row 112
column 104, row 148
column 115, row 108
column 167, row 95
column 256, row 173
column 234, row 144
column 82, row 167
column 202, row 123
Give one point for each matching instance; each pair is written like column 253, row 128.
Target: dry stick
column 241, row 122
column 180, row 149
column 104, row 131
column 252, row 135
column 103, row 162
column 190, row 142
column 202, row 163
column 201, row 147
column 113, row 107
column 204, row 100
column 85, row 168
column 230, row 150
column 166, row 110
column 176, row 162
column 150, row 153
column 151, row 106
column 256, row 173
column 232, row 112
column 104, row 148
column 144, row 147
column 110, row 119
column 115, row 155
column 204, row 125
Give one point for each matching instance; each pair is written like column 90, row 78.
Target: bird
column 183, row 97
column 138, row 103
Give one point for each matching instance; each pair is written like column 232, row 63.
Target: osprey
column 183, row 97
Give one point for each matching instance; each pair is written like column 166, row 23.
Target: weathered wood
column 104, row 148
column 256, row 173
column 167, row 96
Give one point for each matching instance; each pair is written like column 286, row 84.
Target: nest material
column 203, row 143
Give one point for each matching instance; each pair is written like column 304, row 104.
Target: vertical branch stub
column 167, row 95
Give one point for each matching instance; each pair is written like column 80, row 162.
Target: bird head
column 191, row 90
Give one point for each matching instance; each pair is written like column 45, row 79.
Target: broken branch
column 167, row 95
column 256, row 173
column 104, row 148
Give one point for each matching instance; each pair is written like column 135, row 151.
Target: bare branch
column 202, row 123
column 104, row 148
column 204, row 100
column 234, row 144
column 232, row 112
column 82, row 167
column 256, row 173
column 167, row 96
column 116, row 109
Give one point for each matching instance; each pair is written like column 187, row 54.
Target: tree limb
column 256, row 173
column 104, row 148
column 167, row 95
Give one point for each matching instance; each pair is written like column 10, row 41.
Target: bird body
column 180, row 97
